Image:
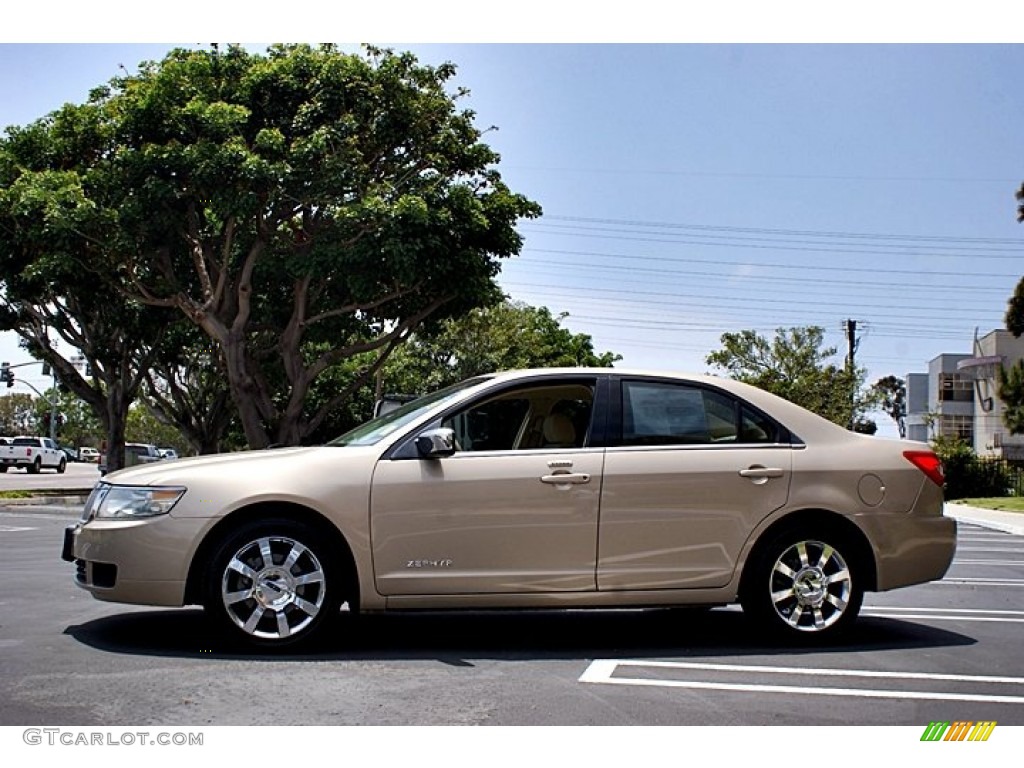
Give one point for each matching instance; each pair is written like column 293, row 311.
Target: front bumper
column 145, row 562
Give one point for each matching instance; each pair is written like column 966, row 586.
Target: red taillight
column 928, row 463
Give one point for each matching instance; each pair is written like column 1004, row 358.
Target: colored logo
column 961, row 730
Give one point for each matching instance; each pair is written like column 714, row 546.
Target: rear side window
column 656, row 413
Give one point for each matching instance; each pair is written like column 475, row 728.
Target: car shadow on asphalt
column 458, row 638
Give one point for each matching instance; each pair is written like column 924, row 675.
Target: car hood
column 275, row 462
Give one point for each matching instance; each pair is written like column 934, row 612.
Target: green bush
column 967, row 474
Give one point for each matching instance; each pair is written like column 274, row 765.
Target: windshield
column 377, row 429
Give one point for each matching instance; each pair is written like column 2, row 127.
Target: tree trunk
column 117, row 415
column 251, row 401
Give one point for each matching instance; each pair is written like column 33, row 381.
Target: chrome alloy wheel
column 810, row 586
column 273, row 587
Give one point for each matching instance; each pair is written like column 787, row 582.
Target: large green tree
column 57, row 287
column 797, row 365
column 302, row 208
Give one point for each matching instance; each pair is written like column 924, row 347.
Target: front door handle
column 566, row 478
column 757, row 472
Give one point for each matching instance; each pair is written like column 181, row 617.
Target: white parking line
column 977, row 582
column 988, row 562
column 940, row 617
column 602, row 672
column 1002, row 612
column 15, row 529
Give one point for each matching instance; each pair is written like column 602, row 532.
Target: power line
column 754, row 264
column 816, row 248
column 703, row 297
column 788, row 232
column 875, row 285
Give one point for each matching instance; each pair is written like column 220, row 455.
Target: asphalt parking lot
column 943, row 651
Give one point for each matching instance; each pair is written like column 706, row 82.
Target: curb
column 993, row 519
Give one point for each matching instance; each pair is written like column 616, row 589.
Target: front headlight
column 126, row 502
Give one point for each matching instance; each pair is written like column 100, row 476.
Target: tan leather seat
column 559, row 432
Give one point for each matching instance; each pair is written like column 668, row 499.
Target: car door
column 691, row 470
column 513, row 510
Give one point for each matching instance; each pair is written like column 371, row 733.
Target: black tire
column 34, row 467
column 804, row 585
column 273, row 604
column 62, row 466
column 3, row 468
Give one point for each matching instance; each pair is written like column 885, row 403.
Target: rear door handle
column 762, row 472
column 566, row 478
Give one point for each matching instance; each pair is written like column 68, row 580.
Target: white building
column 959, row 397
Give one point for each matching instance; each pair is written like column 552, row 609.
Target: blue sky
column 694, row 189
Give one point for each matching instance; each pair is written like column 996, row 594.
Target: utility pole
column 851, row 338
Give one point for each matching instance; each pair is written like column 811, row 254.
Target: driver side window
column 529, row 418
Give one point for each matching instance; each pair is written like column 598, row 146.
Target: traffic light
column 6, row 374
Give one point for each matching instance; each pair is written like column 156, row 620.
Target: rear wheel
column 805, row 585
column 34, row 467
column 273, row 583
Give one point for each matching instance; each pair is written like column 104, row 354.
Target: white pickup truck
column 32, row 454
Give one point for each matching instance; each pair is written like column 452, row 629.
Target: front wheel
column 804, row 585
column 273, row 583
column 62, row 466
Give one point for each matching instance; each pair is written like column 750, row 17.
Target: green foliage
column 58, row 214
column 968, row 475
column 1015, row 306
column 77, row 425
column 1011, row 392
column 302, row 208
column 796, row 366
column 144, row 427
column 504, row 336
column 1015, row 310
column 187, row 388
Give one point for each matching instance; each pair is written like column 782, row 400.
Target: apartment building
column 959, row 397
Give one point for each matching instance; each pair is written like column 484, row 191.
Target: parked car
column 32, row 454
column 167, row 453
column 70, row 453
column 134, row 454
column 85, row 453
column 559, row 488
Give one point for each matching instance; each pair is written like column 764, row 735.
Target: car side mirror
column 436, row 443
